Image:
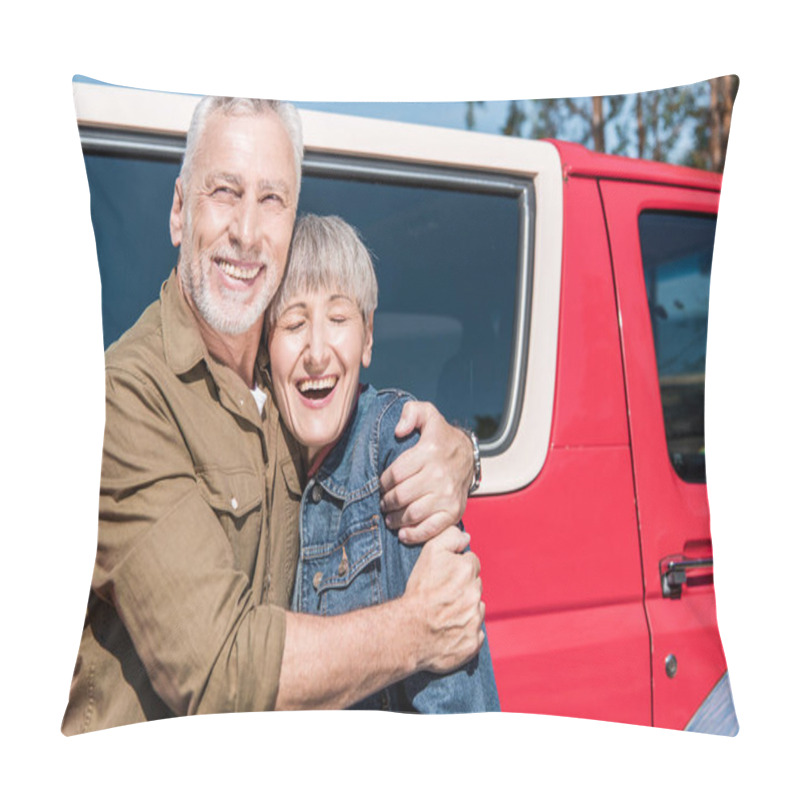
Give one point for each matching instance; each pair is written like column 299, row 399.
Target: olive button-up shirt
column 197, row 543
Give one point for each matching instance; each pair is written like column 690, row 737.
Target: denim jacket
column 349, row 559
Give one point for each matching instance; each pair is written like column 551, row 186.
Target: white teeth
column 316, row 384
column 238, row 272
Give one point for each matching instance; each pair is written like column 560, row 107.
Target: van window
column 449, row 250
column 676, row 255
column 131, row 198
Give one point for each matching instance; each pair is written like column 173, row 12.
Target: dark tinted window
column 676, row 254
column 447, row 264
column 446, row 255
column 131, row 200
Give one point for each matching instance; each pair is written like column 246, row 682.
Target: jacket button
column 342, row 567
column 317, row 580
column 316, row 493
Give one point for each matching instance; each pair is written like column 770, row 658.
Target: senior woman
column 320, row 335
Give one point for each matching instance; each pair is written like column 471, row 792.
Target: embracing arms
column 332, row 662
column 425, row 489
column 175, row 562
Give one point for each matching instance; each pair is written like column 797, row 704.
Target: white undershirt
column 260, row 398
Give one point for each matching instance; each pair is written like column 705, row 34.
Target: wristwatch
column 476, row 461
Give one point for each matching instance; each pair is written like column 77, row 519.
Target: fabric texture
column 186, row 610
column 349, row 559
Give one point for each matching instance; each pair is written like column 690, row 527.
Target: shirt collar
column 183, row 345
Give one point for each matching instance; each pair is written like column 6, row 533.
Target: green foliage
column 515, row 119
column 682, row 125
column 470, row 119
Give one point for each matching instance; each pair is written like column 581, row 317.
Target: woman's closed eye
column 292, row 324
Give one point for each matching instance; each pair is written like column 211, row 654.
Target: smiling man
column 197, row 544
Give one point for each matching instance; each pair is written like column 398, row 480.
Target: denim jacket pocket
column 344, row 575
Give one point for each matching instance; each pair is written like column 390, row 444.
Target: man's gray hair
column 231, row 106
column 327, row 253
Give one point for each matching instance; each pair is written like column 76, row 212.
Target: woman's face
column 316, row 349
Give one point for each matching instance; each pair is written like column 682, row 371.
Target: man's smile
column 240, row 270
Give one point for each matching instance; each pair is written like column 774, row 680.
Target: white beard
column 226, row 312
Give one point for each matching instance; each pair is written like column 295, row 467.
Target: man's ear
column 176, row 214
column 366, row 355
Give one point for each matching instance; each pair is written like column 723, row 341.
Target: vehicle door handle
column 673, row 571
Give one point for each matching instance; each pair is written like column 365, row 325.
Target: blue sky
column 489, row 117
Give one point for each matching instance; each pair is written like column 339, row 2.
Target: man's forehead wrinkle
column 224, row 149
column 234, row 179
column 224, row 177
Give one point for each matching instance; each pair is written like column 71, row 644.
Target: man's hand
column 436, row 625
column 444, row 590
column 425, row 489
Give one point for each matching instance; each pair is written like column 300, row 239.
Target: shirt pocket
column 235, row 496
column 345, row 575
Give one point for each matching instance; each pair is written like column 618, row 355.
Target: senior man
column 200, row 485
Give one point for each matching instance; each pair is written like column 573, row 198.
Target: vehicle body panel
column 565, row 548
column 673, row 514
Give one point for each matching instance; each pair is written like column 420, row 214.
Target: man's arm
column 425, row 489
column 206, row 642
column 332, row 662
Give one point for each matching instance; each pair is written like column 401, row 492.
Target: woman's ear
column 366, row 354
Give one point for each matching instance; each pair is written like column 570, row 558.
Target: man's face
column 234, row 220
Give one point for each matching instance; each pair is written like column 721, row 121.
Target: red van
column 555, row 301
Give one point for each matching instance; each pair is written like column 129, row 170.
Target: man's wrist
column 476, row 460
column 409, row 627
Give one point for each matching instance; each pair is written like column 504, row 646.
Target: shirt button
column 234, row 503
column 316, row 493
column 317, row 580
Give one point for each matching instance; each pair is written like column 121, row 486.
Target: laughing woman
column 320, row 335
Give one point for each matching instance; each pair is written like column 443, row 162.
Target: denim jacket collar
column 350, row 471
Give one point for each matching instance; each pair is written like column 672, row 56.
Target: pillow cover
column 504, row 264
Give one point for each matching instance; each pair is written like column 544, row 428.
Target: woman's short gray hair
column 286, row 113
column 327, row 253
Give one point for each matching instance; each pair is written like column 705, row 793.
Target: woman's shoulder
column 384, row 407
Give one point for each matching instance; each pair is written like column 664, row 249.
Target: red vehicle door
column 560, row 558
column 661, row 239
